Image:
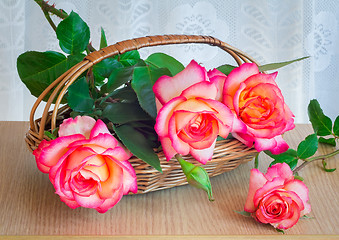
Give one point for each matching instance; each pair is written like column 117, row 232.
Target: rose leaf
column 321, row 124
column 308, row 147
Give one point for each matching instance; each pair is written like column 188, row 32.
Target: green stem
column 46, row 13
column 322, row 156
column 48, row 8
column 316, row 158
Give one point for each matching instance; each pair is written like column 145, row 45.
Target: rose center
column 256, row 109
column 199, row 126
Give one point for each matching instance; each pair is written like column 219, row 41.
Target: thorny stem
column 316, row 158
column 46, row 13
column 48, row 8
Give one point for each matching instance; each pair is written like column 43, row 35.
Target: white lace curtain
column 268, row 30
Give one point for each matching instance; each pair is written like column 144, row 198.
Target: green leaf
column 306, row 217
column 38, row 70
column 244, row 213
column 106, row 66
column 161, row 60
column 274, row 66
column 142, row 83
column 103, row 41
column 226, row 69
column 74, row 59
column 327, row 169
column 79, row 98
column 299, row 178
column 124, row 112
column 73, row 34
column 336, row 127
column 308, row 147
column 129, row 58
column 321, row 124
column 138, row 145
column 280, row 230
column 292, row 163
column 118, row 77
column 289, row 157
column 329, row 141
column 50, row 135
column 125, row 94
column 256, row 161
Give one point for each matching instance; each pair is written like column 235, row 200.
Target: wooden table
column 30, row 207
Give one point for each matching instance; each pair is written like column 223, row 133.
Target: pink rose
column 276, row 197
column 190, row 117
column 87, row 165
column 259, row 105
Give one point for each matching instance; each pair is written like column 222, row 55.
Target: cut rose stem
column 312, row 159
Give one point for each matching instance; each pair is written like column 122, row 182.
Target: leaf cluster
column 117, row 90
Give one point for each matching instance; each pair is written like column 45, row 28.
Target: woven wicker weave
column 228, row 154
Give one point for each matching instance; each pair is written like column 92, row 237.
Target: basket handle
column 62, row 83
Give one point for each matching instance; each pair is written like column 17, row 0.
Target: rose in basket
column 125, row 105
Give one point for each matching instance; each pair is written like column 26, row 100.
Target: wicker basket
column 228, row 154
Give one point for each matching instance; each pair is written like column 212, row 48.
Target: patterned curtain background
column 268, row 30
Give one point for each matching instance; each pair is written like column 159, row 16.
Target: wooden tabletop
column 29, row 206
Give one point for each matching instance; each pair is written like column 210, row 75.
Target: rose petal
column 167, row 147
column 99, row 143
column 281, row 170
column 167, row 88
column 238, row 126
column 92, row 201
column 179, row 145
column 219, row 82
column 118, row 154
column 129, row 178
column 99, row 128
column 182, row 118
column 70, row 202
column 244, row 138
column 302, row 191
column 236, row 98
column 281, row 147
column 276, row 183
column 257, row 181
column 161, row 125
column 211, row 74
column 197, row 105
column 110, row 202
column 49, row 152
column 202, row 90
column 262, row 144
column 113, row 182
column 292, row 220
column 79, row 125
column 203, row 155
column 260, row 78
column 238, row 75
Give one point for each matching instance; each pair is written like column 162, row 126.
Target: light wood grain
column 30, row 207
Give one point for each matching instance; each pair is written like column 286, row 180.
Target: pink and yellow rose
column 190, row 114
column 276, row 197
column 87, row 165
column 260, row 108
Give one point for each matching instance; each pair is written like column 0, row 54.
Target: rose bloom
column 87, row 165
column 276, row 197
column 259, row 105
column 190, row 115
